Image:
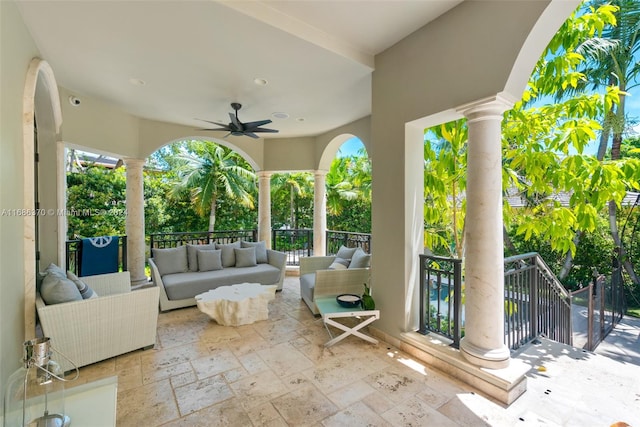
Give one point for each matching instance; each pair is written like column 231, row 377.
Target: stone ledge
column 503, row 385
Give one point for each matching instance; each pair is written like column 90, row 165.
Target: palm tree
column 340, row 185
column 297, row 185
column 209, row 171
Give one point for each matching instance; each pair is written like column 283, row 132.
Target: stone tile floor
column 278, row 373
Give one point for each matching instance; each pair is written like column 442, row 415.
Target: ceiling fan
column 237, row 128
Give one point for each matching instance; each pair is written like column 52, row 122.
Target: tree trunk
column 507, row 241
column 568, row 259
column 613, row 208
column 212, row 214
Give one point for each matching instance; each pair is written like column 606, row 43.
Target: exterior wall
column 16, row 51
column 418, row 82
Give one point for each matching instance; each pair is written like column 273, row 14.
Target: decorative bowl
column 348, row 300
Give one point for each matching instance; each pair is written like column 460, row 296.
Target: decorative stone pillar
column 483, row 343
column 264, row 207
column 320, row 213
column 135, row 221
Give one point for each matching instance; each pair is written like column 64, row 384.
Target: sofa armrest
column 276, row 258
column 313, row 263
column 109, row 284
column 336, row 282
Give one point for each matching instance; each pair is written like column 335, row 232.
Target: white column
column 320, row 213
column 135, row 221
column 483, row 343
column 264, row 207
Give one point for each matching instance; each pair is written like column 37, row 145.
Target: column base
column 497, row 358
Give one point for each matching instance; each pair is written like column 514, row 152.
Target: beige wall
column 425, row 77
column 16, row 51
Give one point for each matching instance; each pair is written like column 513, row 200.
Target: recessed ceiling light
column 300, row 119
column 260, row 81
column 280, row 115
column 137, row 82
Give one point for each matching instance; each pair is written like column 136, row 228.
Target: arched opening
column 42, row 118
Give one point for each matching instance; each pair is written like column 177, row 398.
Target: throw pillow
column 192, row 254
column 245, row 257
column 338, row 264
column 360, row 259
column 171, row 260
column 56, row 288
column 345, row 253
column 261, row 250
column 228, row 255
column 209, row 260
column 83, row 288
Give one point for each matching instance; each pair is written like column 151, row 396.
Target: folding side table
column 330, row 309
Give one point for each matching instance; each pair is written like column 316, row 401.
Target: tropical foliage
column 544, row 155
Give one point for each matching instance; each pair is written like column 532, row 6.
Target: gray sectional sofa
column 185, row 271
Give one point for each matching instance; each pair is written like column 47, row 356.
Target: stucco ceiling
column 196, row 57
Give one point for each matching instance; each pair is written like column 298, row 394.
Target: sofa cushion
column 56, row 288
column 83, row 288
column 228, row 255
column 171, row 260
column 261, row 250
column 192, row 254
column 190, row 284
column 245, row 257
column 209, row 260
column 360, row 259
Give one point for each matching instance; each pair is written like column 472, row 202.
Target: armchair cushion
column 83, row 288
column 360, row 259
column 56, row 288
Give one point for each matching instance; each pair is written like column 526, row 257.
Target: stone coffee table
column 237, row 305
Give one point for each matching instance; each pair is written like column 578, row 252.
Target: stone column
column 135, row 221
column 264, row 207
column 320, row 213
column 483, row 343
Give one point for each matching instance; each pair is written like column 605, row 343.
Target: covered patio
column 463, row 59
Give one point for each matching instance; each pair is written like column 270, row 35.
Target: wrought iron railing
column 596, row 309
column 335, row 239
column 440, row 297
column 73, row 254
column 295, row 243
column 535, row 302
column 171, row 240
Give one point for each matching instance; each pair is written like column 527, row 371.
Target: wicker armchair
column 316, row 280
column 118, row 321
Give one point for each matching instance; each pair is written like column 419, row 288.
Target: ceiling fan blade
column 224, row 125
column 253, row 125
column 235, row 121
column 264, row 130
column 251, row 134
column 217, row 129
